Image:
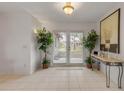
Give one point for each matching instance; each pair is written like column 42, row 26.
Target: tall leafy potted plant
column 44, row 39
column 89, row 42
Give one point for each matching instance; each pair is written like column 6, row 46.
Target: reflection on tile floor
column 60, row 79
column 72, row 60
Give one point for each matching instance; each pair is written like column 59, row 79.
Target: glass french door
column 60, row 48
column 68, row 48
column 75, row 47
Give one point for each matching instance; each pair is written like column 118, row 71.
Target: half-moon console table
column 111, row 62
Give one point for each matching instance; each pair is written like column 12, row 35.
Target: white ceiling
column 52, row 13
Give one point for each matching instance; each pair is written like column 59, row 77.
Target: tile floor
column 72, row 60
column 58, row 78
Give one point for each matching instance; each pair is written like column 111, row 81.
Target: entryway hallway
column 59, row 78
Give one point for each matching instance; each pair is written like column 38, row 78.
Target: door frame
column 68, row 51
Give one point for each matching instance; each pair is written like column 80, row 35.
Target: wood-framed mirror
column 110, row 33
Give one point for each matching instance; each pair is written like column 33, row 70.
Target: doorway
column 68, row 49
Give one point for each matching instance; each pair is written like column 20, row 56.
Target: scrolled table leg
column 107, row 76
column 120, row 75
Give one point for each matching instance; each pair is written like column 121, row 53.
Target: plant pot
column 89, row 66
column 45, row 66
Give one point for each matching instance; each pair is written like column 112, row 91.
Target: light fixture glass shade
column 68, row 8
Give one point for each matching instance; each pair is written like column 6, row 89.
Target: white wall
column 114, row 70
column 35, row 52
column 16, row 42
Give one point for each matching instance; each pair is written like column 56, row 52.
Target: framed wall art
column 110, row 33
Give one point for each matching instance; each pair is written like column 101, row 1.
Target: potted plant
column 88, row 62
column 44, row 39
column 89, row 42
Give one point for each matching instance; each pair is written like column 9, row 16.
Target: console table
column 110, row 62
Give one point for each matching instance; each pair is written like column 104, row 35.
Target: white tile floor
column 58, row 78
column 72, row 60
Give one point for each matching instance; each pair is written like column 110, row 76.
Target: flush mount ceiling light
column 68, row 8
